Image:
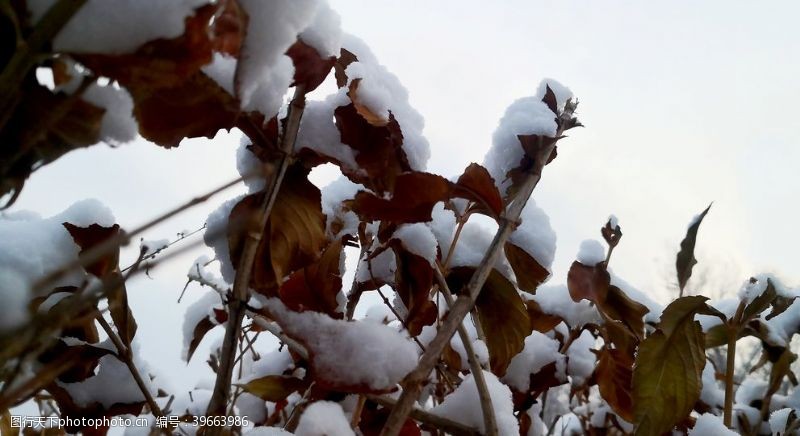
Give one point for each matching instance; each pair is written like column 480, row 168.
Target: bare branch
column 414, row 381
column 126, row 356
column 489, row 419
column 237, row 306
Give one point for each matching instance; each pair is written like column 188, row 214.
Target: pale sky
column 684, row 103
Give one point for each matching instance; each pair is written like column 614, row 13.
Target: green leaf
column 273, row 388
column 667, row 376
column 686, row 260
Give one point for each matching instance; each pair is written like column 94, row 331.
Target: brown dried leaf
column 412, row 200
column 477, row 185
column 294, row 235
column 345, row 58
column 310, row 69
column 540, row 321
column 614, row 375
column 316, row 286
column 195, row 107
column 588, row 282
column 162, row 62
column 530, row 274
column 414, row 277
column 685, row 260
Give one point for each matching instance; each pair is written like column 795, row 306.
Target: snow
column 265, row 72
column 473, row 243
column 538, row 428
column 381, row 267
column 418, row 239
column 443, row 225
column 150, row 247
column 266, row 431
column 778, row 421
column 118, row 125
column 728, row 308
column 324, row 33
column 199, row 272
column 568, row 425
column 591, row 252
column 463, row 405
column 323, row 418
column 555, row 300
column 319, row 133
column 581, row 361
column 751, row 390
column 200, row 309
column 535, row 235
column 613, row 221
column 249, row 166
column 711, row 393
column 216, row 236
column 781, row 328
column 539, row 351
column 750, row 291
column 333, row 195
column 32, row 247
column 710, row 424
column 382, row 92
column 222, row 70
column 111, row 372
column 525, row 116
column 118, row 26
column 350, row 352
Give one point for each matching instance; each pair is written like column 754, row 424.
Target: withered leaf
column 476, row 184
column 588, row 282
column 530, row 274
column 501, row 311
column 162, row 62
column 412, row 200
column 316, row 286
column 612, row 234
column 310, row 69
column 685, row 260
column 273, row 388
column 614, row 375
column 345, row 58
column 294, row 234
column 619, row 307
column 229, row 28
column 195, row 107
column 414, row 277
column 669, row 365
column 380, row 155
column 540, row 321
column 202, row 327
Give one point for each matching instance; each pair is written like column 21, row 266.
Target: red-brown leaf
column 316, row 286
column 477, row 185
column 588, row 282
column 530, row 274
column 310, row 69
column 412, row 201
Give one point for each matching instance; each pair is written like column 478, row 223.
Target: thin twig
column 237, row 306
column 126, row 356
column 414, row 381
column 733, row 335
column 97, row 252
column 489, row 418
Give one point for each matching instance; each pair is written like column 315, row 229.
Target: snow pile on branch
column 418, row 239
column 473, row 242
column 118, row 26
column 555, row 300
column 535, row 236
column 319, row 133
column 32, row 247
column 324, row 418
column 463, row 405
column 591, row 252
column 216, row 236
column 200, row 309
column 265, row 72
column 525, row 116
column 111, row 372
column 338, row 220
column 710, row 424
column 539, row 352
column 352, row 353
column 381, row 92
column 782, row 327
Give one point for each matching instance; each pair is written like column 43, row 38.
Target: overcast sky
column 684, row 103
